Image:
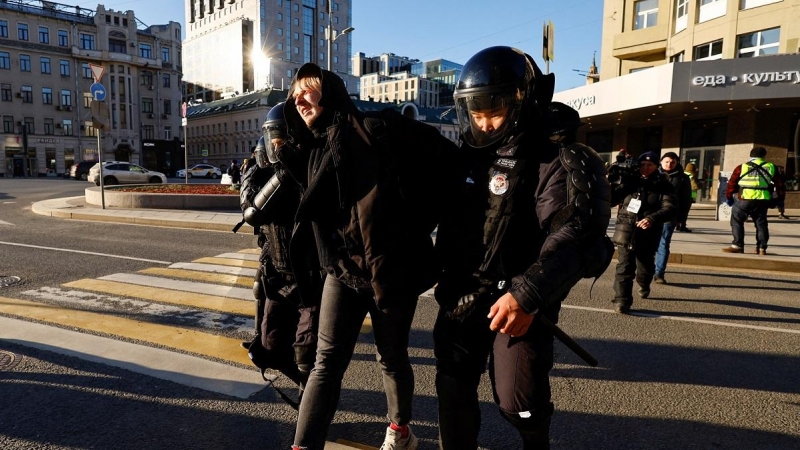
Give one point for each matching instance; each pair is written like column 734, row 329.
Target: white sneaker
column 394, row 441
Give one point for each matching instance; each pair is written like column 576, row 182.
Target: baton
column 566, row 340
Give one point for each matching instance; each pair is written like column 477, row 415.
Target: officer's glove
column 467, row 305
column 729, row 202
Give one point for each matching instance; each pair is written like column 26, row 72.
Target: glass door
column 707, row 163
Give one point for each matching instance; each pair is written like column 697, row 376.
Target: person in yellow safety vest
column 759, row 188
column 690, row 171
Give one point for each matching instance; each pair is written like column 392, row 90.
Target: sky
column 449, row 29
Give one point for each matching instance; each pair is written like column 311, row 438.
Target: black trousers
column 638, row 263
column 519, row 370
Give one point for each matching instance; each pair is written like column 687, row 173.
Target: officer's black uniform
column 541, row 231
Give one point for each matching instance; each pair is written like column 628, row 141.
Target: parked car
column 200, row 170
column 80, row 170
column 120, row 172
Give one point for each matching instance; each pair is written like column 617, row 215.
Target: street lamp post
column 330, row 34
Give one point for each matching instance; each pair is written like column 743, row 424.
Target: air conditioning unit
column 151, row 115
column 163, row 116
column 58, row 107
column 83, row 127
column 58, row 125
column 133, row 44
column 69, row 108
column 19, row 94
column 150, row 87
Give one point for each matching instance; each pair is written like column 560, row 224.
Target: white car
column 200, row 170
column 121, row 172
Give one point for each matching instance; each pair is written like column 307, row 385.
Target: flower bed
column 167, row 196
column 195, row 189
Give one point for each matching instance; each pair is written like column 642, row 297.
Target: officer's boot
column 534, row 430
column 459, row 413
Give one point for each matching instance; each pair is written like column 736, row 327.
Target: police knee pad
column 533, row 426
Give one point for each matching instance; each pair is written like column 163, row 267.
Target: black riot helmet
column 274, row 128
column 495, row 84
column 562, row 122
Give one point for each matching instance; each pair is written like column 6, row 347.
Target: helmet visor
column 484, row 119
column 260, row 153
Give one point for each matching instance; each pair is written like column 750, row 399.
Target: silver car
column 119, row 172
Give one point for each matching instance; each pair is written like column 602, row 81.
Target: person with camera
column 286, row 316
column 647, row 201
column 759, row 188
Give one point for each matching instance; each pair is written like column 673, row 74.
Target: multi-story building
column 227, row 129
column 707, row 79
column 45, row 54
column 443, row 71
column 233, row 47
column 400, row 87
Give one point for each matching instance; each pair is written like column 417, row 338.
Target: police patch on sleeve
column 498, row 185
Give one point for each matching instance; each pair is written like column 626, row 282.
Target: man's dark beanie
column 672, row 155
column 758, row 152
column 649, row 156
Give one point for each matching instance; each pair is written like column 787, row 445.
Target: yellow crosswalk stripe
column 251, row 251
column 210, row 277
column 212, row 302
column 200, row 343
column 228, row 262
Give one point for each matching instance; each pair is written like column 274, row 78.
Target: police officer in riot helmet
column 286, row 316
column 516, row 257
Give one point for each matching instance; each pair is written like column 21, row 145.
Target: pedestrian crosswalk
column 204, row 307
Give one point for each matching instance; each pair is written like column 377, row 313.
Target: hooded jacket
column 367, row 232
column 682, row 185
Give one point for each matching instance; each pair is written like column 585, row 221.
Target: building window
column 87, row 41
column 708, row 52
column 63, row 38
column 4, row 28
column 8, row 124
column 44, row 35
column 66, row 97
column 279, row 31
column 5, row 60
column 147, row 105
column 167, row 133
column 147, row 78
column 63, row 67
column 44, row 63
column 117, row 46
column 29, row 125
column 25, row 63
column 47, row 96
column 22, row 31
column 678, row 57
column 146, row 51
column 646, row 14
column 167, row 80
column 48, row 127
column 764, row 42
column 66, row 125
column 165, row 54
column 747, row 4
column 87, row 71
column 711, row 9
column 167, row 106
column 27, row 94
column 681, row 15
column 5, row 92
column 148, row 131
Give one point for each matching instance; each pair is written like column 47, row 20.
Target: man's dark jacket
column 682, row 186
column 658, row 202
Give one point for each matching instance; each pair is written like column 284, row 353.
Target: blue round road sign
column 98, row 92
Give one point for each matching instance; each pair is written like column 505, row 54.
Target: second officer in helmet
column 535, row 209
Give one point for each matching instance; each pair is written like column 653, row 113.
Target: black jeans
column 757, row 209
column 638, row 263
column 342, row 311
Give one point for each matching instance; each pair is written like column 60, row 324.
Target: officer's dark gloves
column 468, row 304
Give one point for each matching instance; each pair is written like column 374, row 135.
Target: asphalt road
column 710, row 361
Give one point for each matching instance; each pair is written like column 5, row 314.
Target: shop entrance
column 707, row 164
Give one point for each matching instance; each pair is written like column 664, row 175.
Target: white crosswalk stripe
column 180, row 285
column 216, row 268
column 242, row 256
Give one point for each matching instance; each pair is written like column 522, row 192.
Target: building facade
column 46, row 50
column 707, row 79
column 261, row 44
column 398, row 88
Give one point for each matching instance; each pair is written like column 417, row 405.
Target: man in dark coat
column 648, row 201
column 682, row 185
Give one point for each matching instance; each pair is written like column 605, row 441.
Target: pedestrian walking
column 530, row 224
column 758, row 188
column 682, row 185
column 648, row 201
column 235, row 173
column 691, row 173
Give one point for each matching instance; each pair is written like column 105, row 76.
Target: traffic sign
column 98, row 92
column 97, row 72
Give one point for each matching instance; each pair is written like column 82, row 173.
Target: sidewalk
column 702, row 247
